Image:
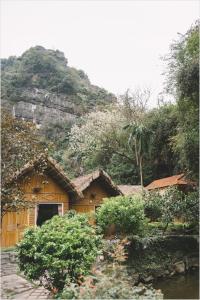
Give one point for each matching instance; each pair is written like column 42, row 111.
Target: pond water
column 180, row 286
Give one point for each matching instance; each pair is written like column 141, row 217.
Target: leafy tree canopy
column 183, row 79
column 20, row 145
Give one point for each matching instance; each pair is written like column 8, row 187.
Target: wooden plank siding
column 14, row 223
column 93, row 197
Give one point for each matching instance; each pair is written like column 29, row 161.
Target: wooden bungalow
column 178, row 181
column 50, row 192
column 129, row 190
column 94, row 186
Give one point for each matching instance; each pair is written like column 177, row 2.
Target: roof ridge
column 54, row 165
column 92, row 176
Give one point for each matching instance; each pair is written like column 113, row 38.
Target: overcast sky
column 117, row 43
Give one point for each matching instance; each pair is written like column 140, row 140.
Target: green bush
column 152, row 206
column 191, row 207
column 172, row 204
column 126, row 213
column 62, row 250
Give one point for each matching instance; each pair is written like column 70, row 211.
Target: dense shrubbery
column 118, row 284
column 152, row 206
column 60, row 251
column 172, row 204
column 125, row 213
column 190, row 207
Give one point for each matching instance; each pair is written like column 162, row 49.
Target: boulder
column 179, row 267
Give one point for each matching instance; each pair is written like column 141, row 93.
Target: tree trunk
column 141, row 173
column 136, row 152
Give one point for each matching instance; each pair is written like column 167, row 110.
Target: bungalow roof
column 52, row 168
column 168, row 181
column 130, row 189
column 84, row 181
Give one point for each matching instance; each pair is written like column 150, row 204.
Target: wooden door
column 9, row 229
column 13, row 225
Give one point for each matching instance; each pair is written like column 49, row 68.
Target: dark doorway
column 46, row 212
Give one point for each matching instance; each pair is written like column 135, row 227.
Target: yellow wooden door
column 13, row 225
column 9, row 229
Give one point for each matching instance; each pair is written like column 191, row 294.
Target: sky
column 119, row 44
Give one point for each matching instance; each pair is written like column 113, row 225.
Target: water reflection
column 180, row 286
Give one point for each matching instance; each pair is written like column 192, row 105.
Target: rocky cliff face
column 39, row 86
column 42, row 107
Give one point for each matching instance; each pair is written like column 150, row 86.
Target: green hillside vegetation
column 48, row 69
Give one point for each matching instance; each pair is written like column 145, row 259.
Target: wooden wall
column 93, row 197
column 14, row 223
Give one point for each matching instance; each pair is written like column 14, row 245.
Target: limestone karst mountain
column 39, row 86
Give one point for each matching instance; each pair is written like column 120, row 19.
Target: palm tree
column 140, row 136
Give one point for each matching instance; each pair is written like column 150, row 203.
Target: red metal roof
column 168, row 181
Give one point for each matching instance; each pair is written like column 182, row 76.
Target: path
column 14, row 285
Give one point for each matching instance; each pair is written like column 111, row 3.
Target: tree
column 20, row 144
column 162, row 161
column 172, row 204
column 183, row 81
column 142, row 150
column 139, row 135
column 98, row 138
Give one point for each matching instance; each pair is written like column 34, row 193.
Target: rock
column 166, row 273
column 101, row 258
column 148, row 279
column 140, row 284
column 141, row 290
column 135, row 278
column 179, row 267
column 172, row 273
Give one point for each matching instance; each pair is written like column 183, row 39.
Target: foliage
column 109, row 280
column 40, row 68
column 190, row 207
column 60, row 251
column 183, row 79
column 20, row 144
column 162, row 161
column 140, row 135
column 153, row 205
column 126, row 213
column 118, row 284
column 172, row 204
column 100, row 141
